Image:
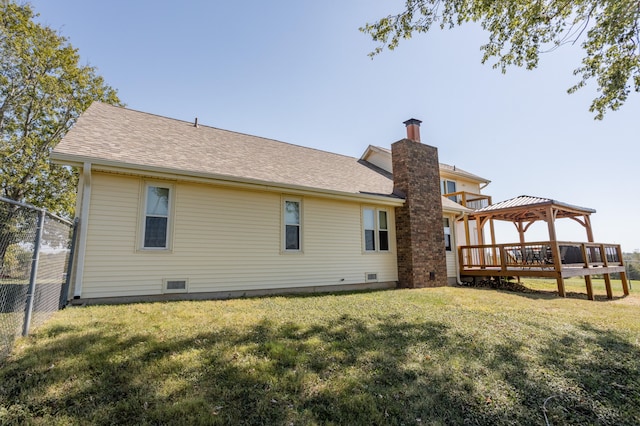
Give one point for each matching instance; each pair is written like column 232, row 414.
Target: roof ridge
column 112, row 136
column 225, row 130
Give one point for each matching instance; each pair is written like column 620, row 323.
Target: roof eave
column 464, row 174
column 169, row 173
column 449, row 206
column 373, row 148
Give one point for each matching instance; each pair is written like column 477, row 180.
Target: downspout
column 455, row 235
column 84, row 221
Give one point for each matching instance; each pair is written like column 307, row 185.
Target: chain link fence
column 35, row 255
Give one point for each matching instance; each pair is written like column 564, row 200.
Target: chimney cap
column 412, row 121
column 413, row 129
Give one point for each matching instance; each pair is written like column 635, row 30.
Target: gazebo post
column 520, row 227
column 493, row 239
column 555, row 249
column 607, row 277
column 480, row 241
column 551, row 223
column 592, row 252
column 466, row 229
column 623, row 275
column 587, row 278
column 587, row 224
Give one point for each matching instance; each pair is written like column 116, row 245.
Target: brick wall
column 419, row 229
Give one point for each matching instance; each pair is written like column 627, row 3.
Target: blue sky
column 299, row 72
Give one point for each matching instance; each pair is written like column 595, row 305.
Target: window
column 156, row 218
column 449, row 187
column 447, row 234
column 292, row 225
column 376, row 229
column 383, row 230
column 369, row 219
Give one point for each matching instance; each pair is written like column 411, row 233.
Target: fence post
column 31, row 293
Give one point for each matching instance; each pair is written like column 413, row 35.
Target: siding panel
column 223, row 240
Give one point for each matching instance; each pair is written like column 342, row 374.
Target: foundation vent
column 370, row 277
column 175, row 286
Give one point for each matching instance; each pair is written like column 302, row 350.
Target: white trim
column 146, row 184
column 283, row 232
column 84, row 226
column 376, row 230
column 444, row 186
column 454, row 242
column 374, row 149
column 449, row 206
column 226, row 180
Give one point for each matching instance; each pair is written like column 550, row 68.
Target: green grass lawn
column 443, row 356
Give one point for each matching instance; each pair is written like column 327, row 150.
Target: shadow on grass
column 537, row 294
column 343, row 371
column 548, row 295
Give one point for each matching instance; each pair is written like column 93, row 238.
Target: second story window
column 449, row 187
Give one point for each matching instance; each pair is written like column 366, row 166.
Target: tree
column 633, row 271
column 632, row 261
column 43, row 90
column 520, row 30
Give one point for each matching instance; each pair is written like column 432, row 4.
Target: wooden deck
column 549, row 259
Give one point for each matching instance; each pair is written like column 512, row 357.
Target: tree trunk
column 9, row 232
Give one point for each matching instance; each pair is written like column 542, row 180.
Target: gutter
column 225, row 180
column 455, row 221
column 84, row 221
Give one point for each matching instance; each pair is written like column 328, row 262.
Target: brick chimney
column 419, row 230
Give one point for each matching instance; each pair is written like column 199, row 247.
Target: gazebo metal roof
column 526, row 208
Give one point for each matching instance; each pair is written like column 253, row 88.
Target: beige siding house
column 452, row 180
column 169, row 210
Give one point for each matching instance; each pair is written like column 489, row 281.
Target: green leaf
column 521, row 30
column 43, row 90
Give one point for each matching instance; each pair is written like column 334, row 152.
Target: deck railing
column 551, row 259
column 469, row 199
column 540, row 255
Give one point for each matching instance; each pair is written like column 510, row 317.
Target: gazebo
column 552, row 258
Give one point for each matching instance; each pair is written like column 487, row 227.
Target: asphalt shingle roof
column 110, row 135
column 452, row 169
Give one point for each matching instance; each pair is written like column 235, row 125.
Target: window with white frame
column 292, row 225
column 447, row 234
column 449, row 187
column 375, row 224
column 156, row 217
